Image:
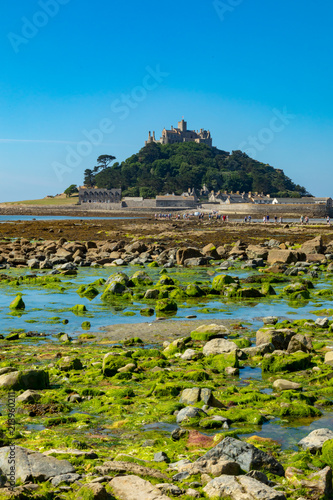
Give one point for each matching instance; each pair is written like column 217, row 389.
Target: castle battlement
column 181, row 134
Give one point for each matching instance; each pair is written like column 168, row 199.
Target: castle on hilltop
column 181, row 134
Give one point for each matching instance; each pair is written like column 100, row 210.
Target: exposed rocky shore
column 161, row 410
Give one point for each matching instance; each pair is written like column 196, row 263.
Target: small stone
column 178, row 433
column 130, row 367
column 95, row 491
column 270, row 320
column 161, row 456
column 205, row 479
column 322, row 322
column 172, row 489
column 190, row 412
column 65, row 338
column 190, row 492
column 229, row 370
column 285, row 385
column 29, row 396
column 65, row 478
column 329, row 358
column 180, row 476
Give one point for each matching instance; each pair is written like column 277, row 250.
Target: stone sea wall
column 311, row 210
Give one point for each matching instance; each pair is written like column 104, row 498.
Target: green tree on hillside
column 72, row 189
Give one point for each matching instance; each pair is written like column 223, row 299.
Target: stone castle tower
column 181, row 134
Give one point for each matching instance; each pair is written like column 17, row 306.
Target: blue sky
column 82, row 78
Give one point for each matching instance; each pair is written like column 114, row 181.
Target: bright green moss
column 292, row 362
column 221, row 361
column 17, row 303
column 220, row 281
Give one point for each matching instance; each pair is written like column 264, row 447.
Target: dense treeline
column 160, row 169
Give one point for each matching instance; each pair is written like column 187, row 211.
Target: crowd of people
column 214, row 215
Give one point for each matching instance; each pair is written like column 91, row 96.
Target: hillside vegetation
column 159, row 169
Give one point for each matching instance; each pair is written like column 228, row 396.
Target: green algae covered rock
column 29, row 379
column 166, row 306
column 208, row 332
column 297, row 291
column 196, row 375
column 194, row 290
column 177, row 294
column 165, row 280
column 297, row 409
column 86, row 325
column 248, row 415
column 176, row 346
column 221, row 361
column 327, row 452
column 118, row 278
column 242, row 343
column 220, row 281
column 67, row 364
column 165, row 390
column 17, row 303
column 79, row 309
column 147, row 311
column 112, row 289
column 13, row 336
column 211, row 423
column 111, row 364
column 133, row 341
column 87, row 291
column 281, row 362
column 249, row 293
column 147, row 353
column 267, row 289
column 86, row 336
column 140, row 278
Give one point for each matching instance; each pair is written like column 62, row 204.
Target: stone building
column 174, row 201
column 95, row 195
column 181, row 134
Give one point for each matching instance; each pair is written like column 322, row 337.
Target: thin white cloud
column 46, row 141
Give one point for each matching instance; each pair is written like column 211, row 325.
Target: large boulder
column 256, row 252
column 279, row 361
column 187, row 253
column 219, row 346
column 313, row 246
column 197, row 261
column 282, row 256
column 137, row 246
column 210, row 251
column 135, row 488
column 241, row 488
column 315, row 440
column 246, row 455
column 300, row 342
column 29, row 379
column 31, row 465
column 280, row 338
